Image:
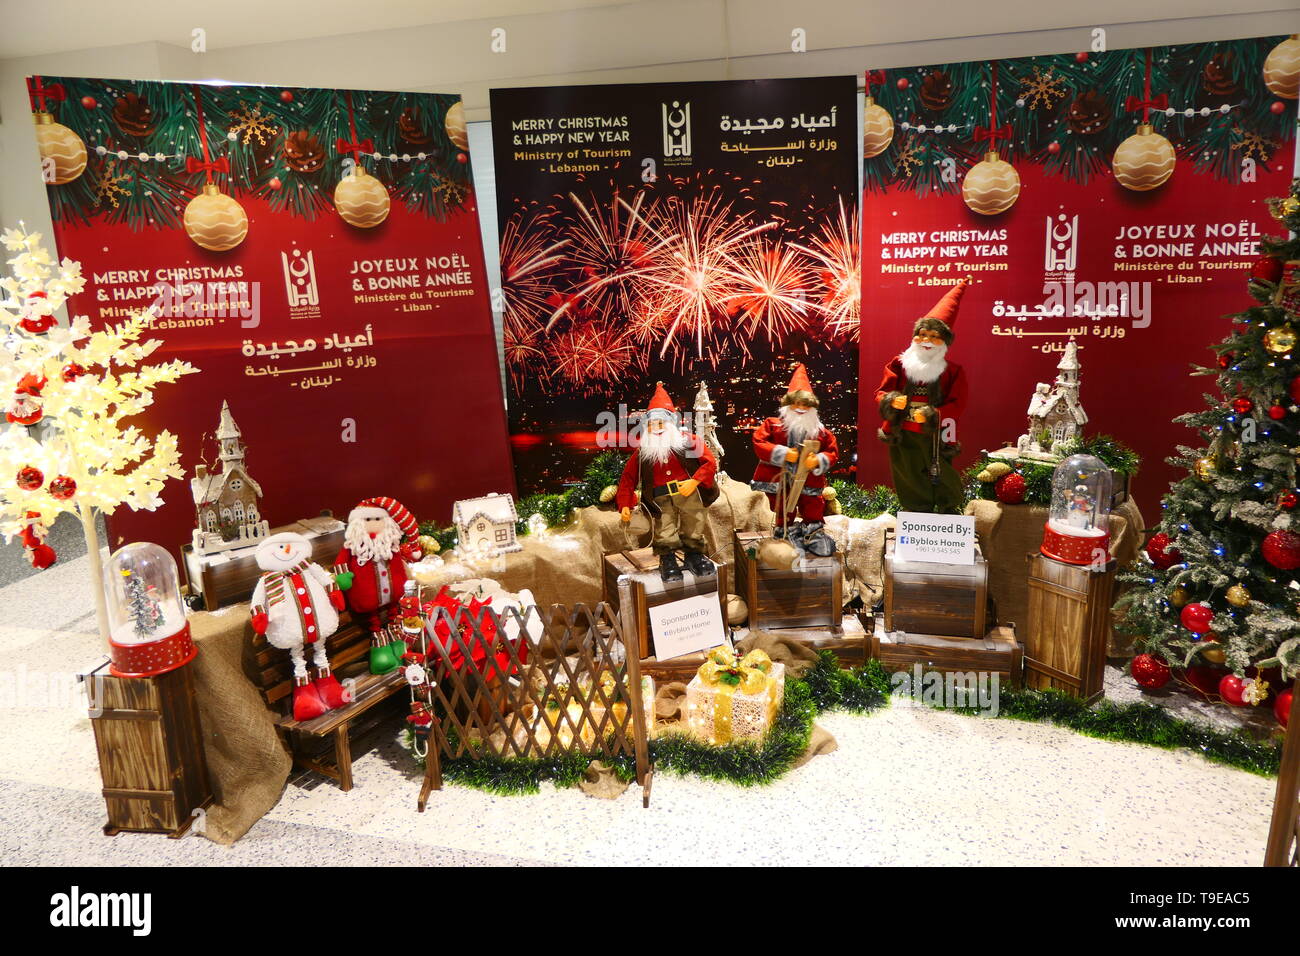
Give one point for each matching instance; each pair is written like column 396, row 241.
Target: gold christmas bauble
column 1143, row 161
column 737, row 610
column 1238, row 596
column 361, row 199
column 877, row 129
column 992, row 186
column 608, row 494
column 63, row 154
column 1282, row 69
column 429, row 544
column 1214, row 654
column 1205, row 469
column 215, row 221
column 1281, row 340
column 454, row 121
column 1179, row 596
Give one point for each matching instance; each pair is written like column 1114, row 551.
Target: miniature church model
column 706, row 423
column 1056, row 417
column 486, row 525
column 226, row 500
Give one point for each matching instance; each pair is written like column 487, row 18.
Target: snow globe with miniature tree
column 148, row 633
column 1078, row 524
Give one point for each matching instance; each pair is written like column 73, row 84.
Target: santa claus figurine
column 380, row 535
column 39, row 554
column 25, row 409
column 674, row 472
column 921, row 397
column 295, row 606
column 37, row 316
column 779, row 445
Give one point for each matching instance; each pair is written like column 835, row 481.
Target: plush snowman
column 296, row 605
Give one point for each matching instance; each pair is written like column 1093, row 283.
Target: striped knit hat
column 397, row 511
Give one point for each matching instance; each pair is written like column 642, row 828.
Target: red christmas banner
column 1113, row 198
column 316, row 254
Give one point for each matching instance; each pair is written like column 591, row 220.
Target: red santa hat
column 661, row 406
column 30, row 384
column 800, row 388
column 943, row 316
column 405, row 521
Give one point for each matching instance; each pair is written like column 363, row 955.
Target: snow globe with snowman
column 1078, row 523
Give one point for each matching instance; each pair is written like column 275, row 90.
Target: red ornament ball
column 275, row 185
column 1197, row 617
column 1287, row 500
column 1225, row 360
column 1202, row 678
column 1282, row 707
column 1267, row 268
column 72, row 371
column 902, row 83
column 286, row 96
column 1010, row 488
column 29, row 478
column 1231, row 689
column 89, row 102
column 1081, row 57
column 1276, row 412
column 1149, row 671
column 1282, row 549
column 1241, row 406
column 1053, row 147
column 462, row 158
column 1161, row 554
column 63, row 487
column 1277, row 108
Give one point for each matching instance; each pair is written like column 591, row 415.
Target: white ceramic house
column 486, row 525
column 226, row 501
column 1056, row 416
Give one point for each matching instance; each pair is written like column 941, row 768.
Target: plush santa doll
column 37, row 316
column 674, row 472
column 921, row 397
column 25, row 409
column 777, row 443
column 380, row 535
column 295, row 606
column 39, row 554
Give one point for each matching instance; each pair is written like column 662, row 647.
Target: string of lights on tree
column 167, row 155
column 1132, row 114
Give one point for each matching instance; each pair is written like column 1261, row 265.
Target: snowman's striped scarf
column 276, row 582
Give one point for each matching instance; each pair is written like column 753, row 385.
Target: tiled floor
column 907, row 785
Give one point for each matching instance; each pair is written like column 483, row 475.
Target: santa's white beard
column 364, row 548
column 799, row 427
column 924, row 365
column 657, row 447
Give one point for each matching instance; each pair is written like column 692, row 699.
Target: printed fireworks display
column 685, row 232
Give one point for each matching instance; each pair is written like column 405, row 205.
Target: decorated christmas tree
column 146, row 611
column 1221, row 584
column 67, row 446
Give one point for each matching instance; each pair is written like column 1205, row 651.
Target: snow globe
column 1078, row 524
column 148, row 633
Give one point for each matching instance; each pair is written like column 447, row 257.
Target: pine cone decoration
column 408, row 127
column 1217, row 77
column 134, row 115
column 936, row 91
column 1089, row 113
column 303, row 152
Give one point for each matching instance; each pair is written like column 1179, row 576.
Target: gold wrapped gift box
column 729, row 699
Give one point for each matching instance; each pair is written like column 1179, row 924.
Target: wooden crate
column 1069, row 626
column 150, row 750
column 231, row 577
column 649, row 590
column 943, row 600
column 998, row 651
column 812, row 597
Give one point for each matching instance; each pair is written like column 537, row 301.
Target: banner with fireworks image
column 315, row 253
column 1115, row 198
column 684, row 232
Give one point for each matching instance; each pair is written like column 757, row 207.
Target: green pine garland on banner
column 1117, row 456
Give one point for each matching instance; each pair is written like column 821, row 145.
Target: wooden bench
column 349, row 655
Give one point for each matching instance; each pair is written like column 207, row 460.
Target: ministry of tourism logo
column 300, row 284
column 1062, row 246
column 677, row 130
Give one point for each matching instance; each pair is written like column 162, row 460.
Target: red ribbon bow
column 992, row 135
column 195, row 165
column 363, row 146
column 875, row 78
column 1133, row 103
column 37, row 90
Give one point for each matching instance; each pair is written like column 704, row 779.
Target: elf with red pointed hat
column 674, row 472
column 777, row 443
column 380, row 535
column 921, row 397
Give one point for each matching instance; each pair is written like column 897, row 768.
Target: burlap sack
column 862, row 543
column 797, row 657
column 599, row 780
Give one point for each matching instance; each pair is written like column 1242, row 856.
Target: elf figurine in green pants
column 921, row 398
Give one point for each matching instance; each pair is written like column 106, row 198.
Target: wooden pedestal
column 1069, row 626
column 649, row 590
column 942, row 600
column 229, row 577
column 997, row 652
column 810, row 597
column 150, row 750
